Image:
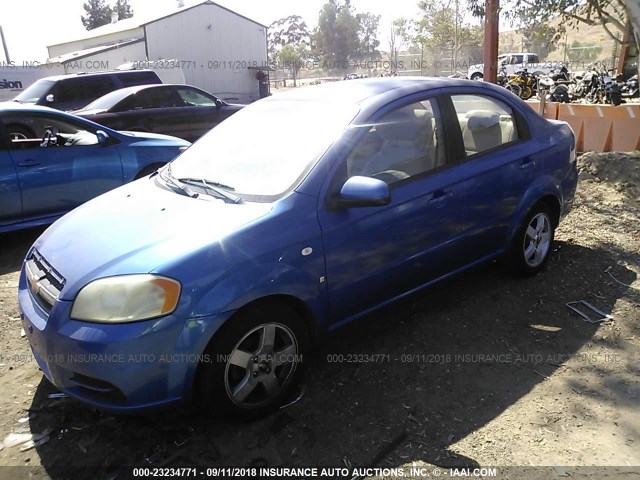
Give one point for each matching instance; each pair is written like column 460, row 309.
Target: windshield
column 109, row 100
column 35, row 92
column 263, row 150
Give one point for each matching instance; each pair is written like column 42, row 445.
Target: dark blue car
column 210, row 280
column 51, row 162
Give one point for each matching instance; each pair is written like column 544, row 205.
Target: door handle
column 528, row 162
column 29, row 163
column 438, row 197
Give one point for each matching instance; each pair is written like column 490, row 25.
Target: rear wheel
column 476, row 76
column 531, row 244
column 252, row 363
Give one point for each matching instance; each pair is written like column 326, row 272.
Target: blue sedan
column 209, row 281
column 51, row 162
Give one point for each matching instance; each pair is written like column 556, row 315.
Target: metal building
column 218, row 50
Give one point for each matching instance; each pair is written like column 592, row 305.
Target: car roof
column 366, row 90
column 55, row 78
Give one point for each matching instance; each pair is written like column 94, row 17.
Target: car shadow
column 14, row 247
column 416, row 376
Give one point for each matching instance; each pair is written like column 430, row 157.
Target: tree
column 368, row 42
column 399, row 37
column 336, row 38
column 540, row 38
column 440, row 31
column 97, row 14
column 291, row 58
column 123, row 8
column 291, row 30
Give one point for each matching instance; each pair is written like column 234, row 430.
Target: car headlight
column 126, row 298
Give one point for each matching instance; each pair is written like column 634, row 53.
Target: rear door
column 10, row 197
column 150, row 110
column 202, row 112
column 498, row 164
column 63, row 168
column 76, row 93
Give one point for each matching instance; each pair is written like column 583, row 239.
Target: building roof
column 87, row 52
column 138, row 21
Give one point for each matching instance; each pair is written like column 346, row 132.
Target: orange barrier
column 602, row 128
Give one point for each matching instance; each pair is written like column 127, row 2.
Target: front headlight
column 126, row 298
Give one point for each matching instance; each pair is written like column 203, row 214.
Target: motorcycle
column 602, row 89
column 630, row 88
column 556, row 86
column 523, row 84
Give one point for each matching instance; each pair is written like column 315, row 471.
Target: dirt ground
column 485, row 369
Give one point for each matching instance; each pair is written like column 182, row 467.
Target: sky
column 30, row 25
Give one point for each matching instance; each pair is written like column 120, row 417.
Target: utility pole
column 4, row 45
column 455, row 41
column 490, row 56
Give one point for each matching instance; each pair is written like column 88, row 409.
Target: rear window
column 131, row 79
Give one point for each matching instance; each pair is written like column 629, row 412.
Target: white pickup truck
column 516, row 61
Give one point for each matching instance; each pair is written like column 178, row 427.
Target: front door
column 62, row 165
column 374, row 254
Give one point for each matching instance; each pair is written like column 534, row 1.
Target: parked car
column 211, row 279
column 179, row 110
column 75, row 90
column 66, row 161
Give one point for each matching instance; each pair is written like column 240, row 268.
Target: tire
column 242, row 376
column 476, row 76
column 526, row 93
column 19, row 132
column 515, row 89
column 531, row 244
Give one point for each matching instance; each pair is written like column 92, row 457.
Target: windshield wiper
column 218, row 189
column 184, row 188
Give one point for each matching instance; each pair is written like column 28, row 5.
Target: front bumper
column 124, row 368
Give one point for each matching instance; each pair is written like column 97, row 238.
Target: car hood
column 137, row 228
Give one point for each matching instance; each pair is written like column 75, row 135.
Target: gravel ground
column 484, row 369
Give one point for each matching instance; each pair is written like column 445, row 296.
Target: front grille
column 44, row 282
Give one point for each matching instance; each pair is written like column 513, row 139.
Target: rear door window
column 131, row 79
column 485, row 122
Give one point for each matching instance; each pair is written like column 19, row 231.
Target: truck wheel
column 476, row 76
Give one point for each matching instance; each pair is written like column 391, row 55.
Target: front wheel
column 531, row 244
column 251, row 365
column 476, row 76
column 526, row 93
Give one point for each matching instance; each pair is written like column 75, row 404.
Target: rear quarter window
column 138, row 78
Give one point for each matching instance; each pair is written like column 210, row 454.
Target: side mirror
column 363, row 192
column 50, row 98
column 103, row 138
